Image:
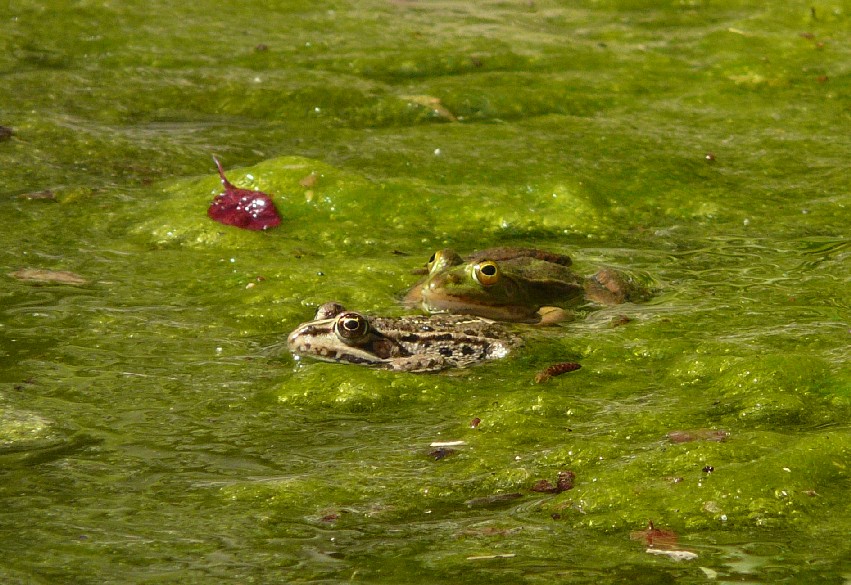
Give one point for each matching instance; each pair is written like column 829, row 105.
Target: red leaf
column 243, row 208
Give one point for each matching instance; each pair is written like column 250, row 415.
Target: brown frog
column 414, row 343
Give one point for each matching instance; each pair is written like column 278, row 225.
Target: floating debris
column 556, row 370
column 716, row 435
column 432, row 103
column 489, row 557
column 243, row 208
column 447, row 443
column 544, row 486
column 40, row 276
column 47, row 194
column 442, row 449
column 441, row 453
column 677, row 555
column 563, row 483
column 655, row 537
column 565, row 480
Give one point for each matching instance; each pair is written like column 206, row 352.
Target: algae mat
column 153, row 427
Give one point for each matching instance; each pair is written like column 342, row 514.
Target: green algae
column 21, row 427
column 154, row 426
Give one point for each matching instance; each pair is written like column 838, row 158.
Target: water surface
column 153, row 427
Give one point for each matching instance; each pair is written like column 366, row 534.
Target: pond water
column 154, row 428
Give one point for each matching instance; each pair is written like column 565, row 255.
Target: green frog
column 414, row 343
column 515, row 284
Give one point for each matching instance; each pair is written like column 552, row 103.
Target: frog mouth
column 444, row 303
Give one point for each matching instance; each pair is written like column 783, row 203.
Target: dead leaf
column 41, row 276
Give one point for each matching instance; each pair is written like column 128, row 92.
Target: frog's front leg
column 553, row 316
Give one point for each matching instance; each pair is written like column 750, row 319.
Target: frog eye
column 443, row 259
column 351, row 326
column 328, row 310
column 435, row 260
column 486, row 273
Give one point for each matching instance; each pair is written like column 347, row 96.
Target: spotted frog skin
column 414, row 343
column 513, row 284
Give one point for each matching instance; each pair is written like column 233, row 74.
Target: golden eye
column 486, row 273
column 351, row 326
